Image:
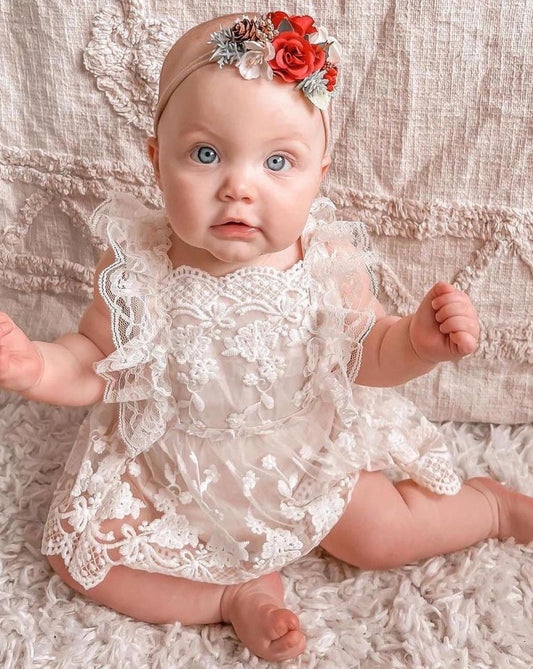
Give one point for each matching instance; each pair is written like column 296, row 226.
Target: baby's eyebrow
column 197, row 129
column 297, row 138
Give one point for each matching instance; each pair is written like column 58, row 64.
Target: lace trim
column 251, row 270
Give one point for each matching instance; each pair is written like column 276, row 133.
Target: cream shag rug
column 473, row 608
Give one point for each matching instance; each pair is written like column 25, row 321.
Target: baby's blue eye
column 205, row 155
column 277, row 162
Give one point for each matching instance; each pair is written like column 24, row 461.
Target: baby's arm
column 444, row 327
column 59, row 372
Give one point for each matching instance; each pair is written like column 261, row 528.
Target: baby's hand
column 445, row 326
column 21, row 363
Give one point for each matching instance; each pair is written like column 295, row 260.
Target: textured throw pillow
column 432, row 146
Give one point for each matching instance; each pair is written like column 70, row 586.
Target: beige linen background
column 433, row 149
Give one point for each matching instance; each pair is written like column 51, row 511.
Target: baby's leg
column 255, row 609
column 387, row 525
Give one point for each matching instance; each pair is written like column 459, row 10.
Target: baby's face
column 239, row 163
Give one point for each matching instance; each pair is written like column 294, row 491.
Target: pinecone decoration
column 244, row 30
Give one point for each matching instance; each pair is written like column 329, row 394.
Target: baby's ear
column 153, row 153
column 326, row 162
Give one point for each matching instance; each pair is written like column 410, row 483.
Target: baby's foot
column 255, row 609
column 513, row 510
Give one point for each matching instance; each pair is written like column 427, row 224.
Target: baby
column 237, row 360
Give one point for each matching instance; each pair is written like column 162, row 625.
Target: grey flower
column 314, row 87
column 226, row 51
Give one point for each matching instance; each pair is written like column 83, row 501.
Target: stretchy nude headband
column 194, row 65
column 289, row 47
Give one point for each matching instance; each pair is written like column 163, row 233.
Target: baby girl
column 237, row 361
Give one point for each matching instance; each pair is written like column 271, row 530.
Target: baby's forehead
column 220, row 98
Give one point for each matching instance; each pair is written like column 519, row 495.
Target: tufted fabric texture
column 432, row 143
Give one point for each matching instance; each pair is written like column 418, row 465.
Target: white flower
column 212, row 475
column 346, row 442
column 189, row 343
column 98, row 441
column 325, row 512
column 320, row 37
column 319, row 97
column 132, row 546
column 252, row 342
column 281, row 546
column 250, row 379
column 174, row 532
column 236, row 420
column 400, row 448
column 164, row 501
column 203, row 370
column 249, row 481
column 256, row 526
column 121, row 503
column 254, row 62
column 226, row 551
column 306, row 452
column 133, row 468
column 269, row 461
column 185, row 497
column 271, row 368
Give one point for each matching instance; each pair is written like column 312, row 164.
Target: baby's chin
column 236, row 258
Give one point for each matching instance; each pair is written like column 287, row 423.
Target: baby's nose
column 238, row 184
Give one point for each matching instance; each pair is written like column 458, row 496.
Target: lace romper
column 231, row 432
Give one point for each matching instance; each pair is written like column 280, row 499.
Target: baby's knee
column 380, row 548
column 380, row 551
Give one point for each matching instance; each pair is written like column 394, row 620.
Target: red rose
column 295, row 58
column 303, row 25
column 330, row 74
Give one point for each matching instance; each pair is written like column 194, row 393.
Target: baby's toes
column 281, row 621
column 283, row 627
column 288, row 646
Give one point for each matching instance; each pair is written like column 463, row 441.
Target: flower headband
column 290, row 47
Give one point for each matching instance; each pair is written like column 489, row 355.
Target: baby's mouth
column 236, row 221
column 234, row 227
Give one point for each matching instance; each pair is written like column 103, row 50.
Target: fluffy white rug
column 470, row 609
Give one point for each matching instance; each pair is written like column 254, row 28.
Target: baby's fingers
column 457, row 308
column 442, row 289
column 452, row 297
column 465, row 342
column 458, row 324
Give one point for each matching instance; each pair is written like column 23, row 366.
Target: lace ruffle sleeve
column 136, row 372
column 340, row 260
column 392, row 429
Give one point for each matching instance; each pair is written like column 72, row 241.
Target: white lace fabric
column 231, row 433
